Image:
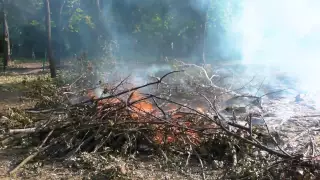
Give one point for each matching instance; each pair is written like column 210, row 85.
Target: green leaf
column 34, row 23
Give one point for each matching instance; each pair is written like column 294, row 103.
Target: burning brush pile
column 176, row 117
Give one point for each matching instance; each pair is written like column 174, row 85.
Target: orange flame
column 159, row 139
column 141, row 107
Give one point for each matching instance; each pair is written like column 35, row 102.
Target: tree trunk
column 99, row 17
column 160, row 55
column 49, row 46
column 59, row 27
column 102, row 32
column 203, row 33
column 162, row 42
column 202, row 58
column 6, row 38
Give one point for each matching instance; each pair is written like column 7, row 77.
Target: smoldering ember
column 184, row 89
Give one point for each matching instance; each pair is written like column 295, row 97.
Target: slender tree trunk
column 99, row 17
column 98, row 6
column 103, row 36
column 6, row 38
column 49, row 46
column 203, row 33
column 162, row 42
column 59, row 27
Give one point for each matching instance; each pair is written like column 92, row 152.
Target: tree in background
column 154, row 29
column 6, row 37
column 49, row 46
column 59, row 14
column 203, row 31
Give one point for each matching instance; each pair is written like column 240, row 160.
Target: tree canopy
column 166, row 28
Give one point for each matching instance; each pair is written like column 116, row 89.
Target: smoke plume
column 283, row 34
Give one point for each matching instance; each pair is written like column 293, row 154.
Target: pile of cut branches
column 128, row 121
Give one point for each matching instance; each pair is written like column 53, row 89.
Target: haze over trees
column 121, row 28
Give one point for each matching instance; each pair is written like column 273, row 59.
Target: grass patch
column 13, row 79
column 18, row 82
column 28, row 60
column 14, row 90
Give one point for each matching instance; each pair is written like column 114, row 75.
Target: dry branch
column 25, row 131
column 40, row 149
column 133, row 89
column 124, row 125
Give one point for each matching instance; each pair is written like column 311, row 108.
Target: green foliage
column 152, row 23
column 34, row 23
column 76, row 15
column 220, row 13
column 79, row 17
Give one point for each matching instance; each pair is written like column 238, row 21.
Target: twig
column 209, row 78
column 234, row 156
column 260, row 86
column 83, row 142
column 162, row 111
column 243, row 128
column 188, row 158
column 205, row 72
column 201, row 163
column 312, row 146
column 296, row 137
column 271, row 151
column 234, row 116
column 315, row 115
column 157, row 147
column 40, row 111
column 46, row 139
column 273, row 139
column 77, row 79
column 26, row 161
column 273, row 92
column 113, row 89
column 130, row 90
column 11, row 138
column 173, row 102
column 258, row 145
column 39, row 150
column 102, row 141
column 238, row 89
column 27, row 130
column 250, row 125
column 199, row 158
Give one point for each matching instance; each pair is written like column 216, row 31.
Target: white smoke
column 283, row 34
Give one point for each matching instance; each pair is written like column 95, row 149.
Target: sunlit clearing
column 283, row 34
